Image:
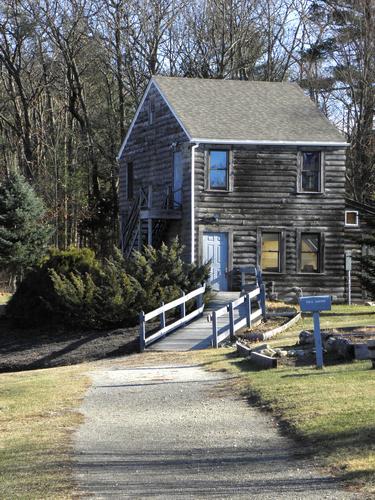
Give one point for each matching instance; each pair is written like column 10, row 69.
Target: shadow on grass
column 328, row 445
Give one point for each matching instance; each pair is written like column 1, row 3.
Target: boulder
column 306, row 338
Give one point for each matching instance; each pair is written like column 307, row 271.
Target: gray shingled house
column 245, row 173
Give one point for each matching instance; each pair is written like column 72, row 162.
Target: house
column 245, row 173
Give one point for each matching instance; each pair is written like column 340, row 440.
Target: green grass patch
column 37, row 416
column 4, row 297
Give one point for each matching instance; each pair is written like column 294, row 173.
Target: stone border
column 275, row 331
column 257, row 358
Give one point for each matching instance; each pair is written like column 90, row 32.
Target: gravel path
column 173, row 432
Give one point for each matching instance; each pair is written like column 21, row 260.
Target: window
column 311, row 172
column 151, row 111
column 130, row 181
column 351, row 218
column 218, row 170
column 270, row 253
column 310, row 253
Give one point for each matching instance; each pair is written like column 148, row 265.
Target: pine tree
column 24, row 234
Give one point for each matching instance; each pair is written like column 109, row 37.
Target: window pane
column 218, row 169
column 311, row 171
column 218, row 159
column 310, row 181
column 310, row 253
column 218, row 179
column 311, row 160
column 351, row 218
column 270, row 257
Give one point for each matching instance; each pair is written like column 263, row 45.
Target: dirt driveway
column 176, row 431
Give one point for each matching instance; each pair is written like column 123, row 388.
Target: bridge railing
column 246, row 315
column 160, row 311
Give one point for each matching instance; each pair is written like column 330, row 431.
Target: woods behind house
column 72, row 73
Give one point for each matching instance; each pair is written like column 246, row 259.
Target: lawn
column 4, row 297
column 37, row 417
column 331, row 411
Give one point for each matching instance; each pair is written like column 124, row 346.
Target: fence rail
column 160, row 311
column 228, row 330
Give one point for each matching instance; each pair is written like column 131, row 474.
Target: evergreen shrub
column 73, row 288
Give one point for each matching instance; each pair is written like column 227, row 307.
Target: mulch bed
column 28, row 349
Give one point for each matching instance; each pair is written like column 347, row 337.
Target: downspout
column 192, row 204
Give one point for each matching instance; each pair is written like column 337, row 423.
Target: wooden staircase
column 146, row 222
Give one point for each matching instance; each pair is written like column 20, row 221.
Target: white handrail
column 220, row 334
column 160, row 311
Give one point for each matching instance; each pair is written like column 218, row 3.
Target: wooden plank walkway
column 197, row 334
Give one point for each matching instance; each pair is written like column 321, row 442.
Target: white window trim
column 356, row 218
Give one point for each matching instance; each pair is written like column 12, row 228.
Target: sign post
column 348, row 268
column 315, row 304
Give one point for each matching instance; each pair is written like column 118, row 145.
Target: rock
column 339, row 346
column 280, row 353
column 268, row 352
column 372, row 304
column 361, row 351
column 260, row 347
column 306, row 338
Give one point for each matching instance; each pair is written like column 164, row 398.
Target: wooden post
column 149, row 231
column 149, row 197
column 231, row 320
column 262, row 300
column 162, row 317
column 214, row 331
column 248, row 310
column 183, row 307
column 142, row 331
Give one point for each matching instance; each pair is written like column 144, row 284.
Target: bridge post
column 248, row 310
column 142, row 331
column 214, row 331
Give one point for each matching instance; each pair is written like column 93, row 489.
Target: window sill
column 309, row 193
column 222, row 191
column 311, row 274
column 277, row 273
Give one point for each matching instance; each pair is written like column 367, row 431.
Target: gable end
column 151, row 84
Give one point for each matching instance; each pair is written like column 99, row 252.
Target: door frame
column 217, row 228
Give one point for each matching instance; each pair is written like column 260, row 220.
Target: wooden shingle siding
column 264, row 197
column 150, row 149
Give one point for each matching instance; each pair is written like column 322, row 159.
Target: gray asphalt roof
column 236, row 110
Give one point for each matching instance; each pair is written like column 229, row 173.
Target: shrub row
column 73, row 288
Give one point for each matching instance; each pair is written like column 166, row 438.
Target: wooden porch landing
column 197, row 334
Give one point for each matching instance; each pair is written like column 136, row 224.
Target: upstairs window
column 310, row 172
column 270, row 253
column 310, row 257
column 351, row 218
column 218, row 170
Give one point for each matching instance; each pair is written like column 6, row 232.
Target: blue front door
column 215, row 249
